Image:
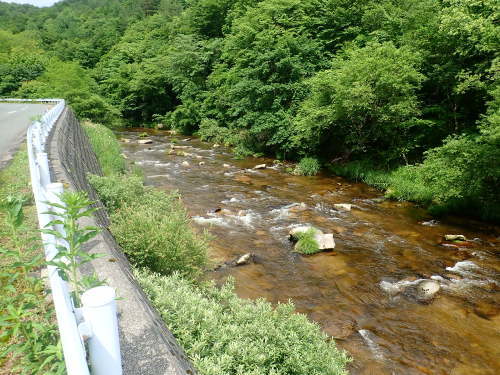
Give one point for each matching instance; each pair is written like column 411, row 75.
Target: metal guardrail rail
column 94, row 325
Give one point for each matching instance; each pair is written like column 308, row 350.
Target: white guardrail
column 95, row 323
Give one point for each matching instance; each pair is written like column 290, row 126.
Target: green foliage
column 224, row 334
column 70, row 81
column 116, row 191
column 372, row 83
column 106, row 148
column 70, row 255
column 364, row 103
column 307, row 167
column 21, row 60
column 28, row 333
column 307, row 243
column 152, row 227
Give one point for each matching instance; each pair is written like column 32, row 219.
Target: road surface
column 14, row 120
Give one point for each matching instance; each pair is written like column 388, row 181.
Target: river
column 363, row 292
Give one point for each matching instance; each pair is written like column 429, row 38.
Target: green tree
column 365, row 103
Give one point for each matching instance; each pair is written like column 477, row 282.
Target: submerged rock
column 343, row 206
column 144, row 141
column 185, row 164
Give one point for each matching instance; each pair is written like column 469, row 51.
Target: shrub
column 151, row 226
column 306, row 243
column 106, row 147
column 307, row 167
column 224, row 334
column 115, row 191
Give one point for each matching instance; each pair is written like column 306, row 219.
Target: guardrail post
column 99, row 310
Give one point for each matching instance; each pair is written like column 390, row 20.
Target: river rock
column 125, row 140
column 144, row 141
column 199, row 157
column 244, row 259
column 427, row 289
column 180, row 147
column 216, row 145
column 225, row 165
column 260, row 166
column 430, row 223
column 455, row 237
column 201, row 163
column 325, row 241
column 185, row 164
column 343, row 206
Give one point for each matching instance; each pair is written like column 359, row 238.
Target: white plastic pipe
column 99, row 311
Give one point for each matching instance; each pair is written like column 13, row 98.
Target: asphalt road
column 14, row 120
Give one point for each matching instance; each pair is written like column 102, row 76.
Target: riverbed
column 363, row 292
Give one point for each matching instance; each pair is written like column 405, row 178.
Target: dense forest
column 402, row 94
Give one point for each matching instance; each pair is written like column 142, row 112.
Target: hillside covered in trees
column 402, row 94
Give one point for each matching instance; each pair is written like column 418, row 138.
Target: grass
column 106, row 147
column 307, row 167
column 306, row 243
column 28, row 333
column 401, row 184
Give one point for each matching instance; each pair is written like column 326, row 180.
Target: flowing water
column 363, row 292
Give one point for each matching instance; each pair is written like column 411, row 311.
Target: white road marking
column 11, row 112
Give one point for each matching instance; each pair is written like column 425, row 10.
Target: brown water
column 351, row 291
